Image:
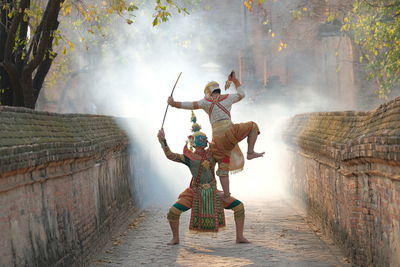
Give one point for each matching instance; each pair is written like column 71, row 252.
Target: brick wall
column 346, row 169
column 64, row 186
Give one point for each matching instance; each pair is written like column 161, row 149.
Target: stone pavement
column 279, row 235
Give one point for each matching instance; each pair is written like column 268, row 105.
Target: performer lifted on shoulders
column 202, row 195
column 226, row 135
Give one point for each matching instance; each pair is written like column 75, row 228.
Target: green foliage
column 375, row 27
column 161, row 11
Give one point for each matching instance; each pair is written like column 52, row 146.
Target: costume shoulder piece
column 208, row 98
column 221, row 98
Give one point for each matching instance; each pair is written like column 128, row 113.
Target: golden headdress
column 210, row 87
column 197, row 138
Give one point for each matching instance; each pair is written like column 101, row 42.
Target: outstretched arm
column 240, row 94
column 168, row 153
column 183, row 105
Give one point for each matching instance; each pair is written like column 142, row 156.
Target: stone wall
column 346, row 169
column 64, row 186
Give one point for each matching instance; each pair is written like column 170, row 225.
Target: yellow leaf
column 66, row 8
column 247, row 5
column 330, row 18
column 110, row 11
column 273, row 34
column 71, row 44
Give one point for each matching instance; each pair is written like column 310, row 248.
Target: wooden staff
column 165, row 114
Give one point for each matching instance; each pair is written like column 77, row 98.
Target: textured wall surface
column 64, row 185
column 346, row 169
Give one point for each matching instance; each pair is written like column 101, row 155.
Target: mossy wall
column 346, row 169
column 64, row 186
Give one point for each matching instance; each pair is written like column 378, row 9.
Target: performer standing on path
column 202, row 195
column 226, row 135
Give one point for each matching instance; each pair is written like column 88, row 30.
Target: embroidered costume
column 201, row 196
column 226, row 135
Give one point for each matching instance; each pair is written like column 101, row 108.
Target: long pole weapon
column 165, row 114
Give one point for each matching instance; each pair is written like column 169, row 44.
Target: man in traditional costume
column 202, row 195
column 225, row 134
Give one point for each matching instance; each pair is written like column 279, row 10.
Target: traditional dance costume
column 226, row 135
column 202, row 195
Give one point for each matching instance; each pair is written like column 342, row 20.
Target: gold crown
column 195, row 131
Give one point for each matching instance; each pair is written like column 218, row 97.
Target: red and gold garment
column 202, row 195
column 226, row 135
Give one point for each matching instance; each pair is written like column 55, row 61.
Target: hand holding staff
column 166, row 110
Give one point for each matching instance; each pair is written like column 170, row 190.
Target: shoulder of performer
column 186, row 160
column 208, row 98
column 237, row 96
column 223, row 97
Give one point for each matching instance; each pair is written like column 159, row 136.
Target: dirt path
column 279, row 234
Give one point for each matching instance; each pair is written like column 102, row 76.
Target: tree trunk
column 27, row 89
column 15, row 85
column 6, row 95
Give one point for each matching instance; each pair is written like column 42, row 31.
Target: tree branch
column 43, row 68
column 49, row 22
column 3, row 31
column 23, row 32
column 38, row 33
column 19, row 13
column 44, row 46
column 40, row 76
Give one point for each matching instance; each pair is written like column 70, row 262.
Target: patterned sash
column 207, row 212
column 216, row 102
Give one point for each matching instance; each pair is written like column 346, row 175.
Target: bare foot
column 253, row 155
column 242, row 240
column 173, row 242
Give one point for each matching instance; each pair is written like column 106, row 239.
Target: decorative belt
column 204, row 186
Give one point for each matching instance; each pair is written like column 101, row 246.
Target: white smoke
column 136, row 75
